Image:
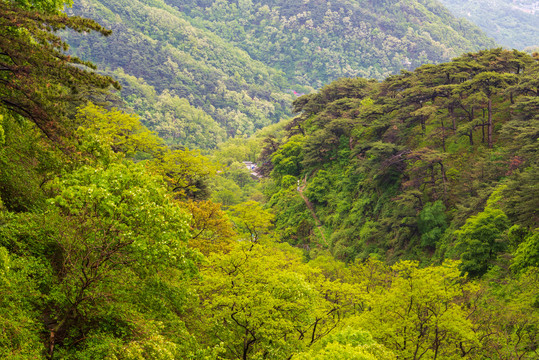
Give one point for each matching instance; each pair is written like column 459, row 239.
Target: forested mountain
column 513, row 24
column 316, row 42
column 198, row 72
column 111, row 247
column 396, row 168
column 187, row 83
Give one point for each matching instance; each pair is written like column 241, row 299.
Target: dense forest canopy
column 315, row 42
column 437, row 142
column 200, row 72
column 190, row 86
column 386, row 220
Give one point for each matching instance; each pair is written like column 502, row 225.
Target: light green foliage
column 257, row 301
column 114, row 227
column 235, row 182
column 239, row 173
column 237, row 150
column 128, row 201
column 2, row 133
column 225, row 191
column 251, row 221
column 527, row 253
column 348, row 344
column 152, row 346
column 211, row 230
column 19, row 338
column 480, row 240
column 185, row 171
column 508, row 314
column 419, row 313
column 121, row 132
column 289, row 181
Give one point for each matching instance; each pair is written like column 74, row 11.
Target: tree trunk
column 471, row 129
column 483, row 127
column 454, row 119
column 444, row 180
column 490, row 123
column 443, row 136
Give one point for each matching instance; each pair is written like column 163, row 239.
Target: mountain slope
column 394, row 168
column 238, row 66
column 514, row 24
column 316, row 42
column 156, row 46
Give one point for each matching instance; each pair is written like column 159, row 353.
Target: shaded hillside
column 201, row 72
column 514, row 24
column 316, row 42
column 154, row 51
column 394, row 168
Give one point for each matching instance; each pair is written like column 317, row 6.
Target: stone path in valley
column 310, row 206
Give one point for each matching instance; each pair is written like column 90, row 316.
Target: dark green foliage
column 37, row 78
column 242, row 63
column 187, row 83
column 520, row 201
column 395, row 167
column 100, row 236
column 26, row 159
column 315, row 42
column 432, row 223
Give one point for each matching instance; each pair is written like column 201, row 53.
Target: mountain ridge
column 158, row 45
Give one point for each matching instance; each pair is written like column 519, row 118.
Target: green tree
column 19, row 318
column 112, row 227
column 185, row 171
column 432, row 223
column 527, row 254
column 507, row 314
column 38, row 78
column 479, row 240
column 287, row 160
column 348, row 344
column 257, row 302
column 211, row 230
column 488, row 83
column 122, row 132
column 420, row 313
column 251, row 221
